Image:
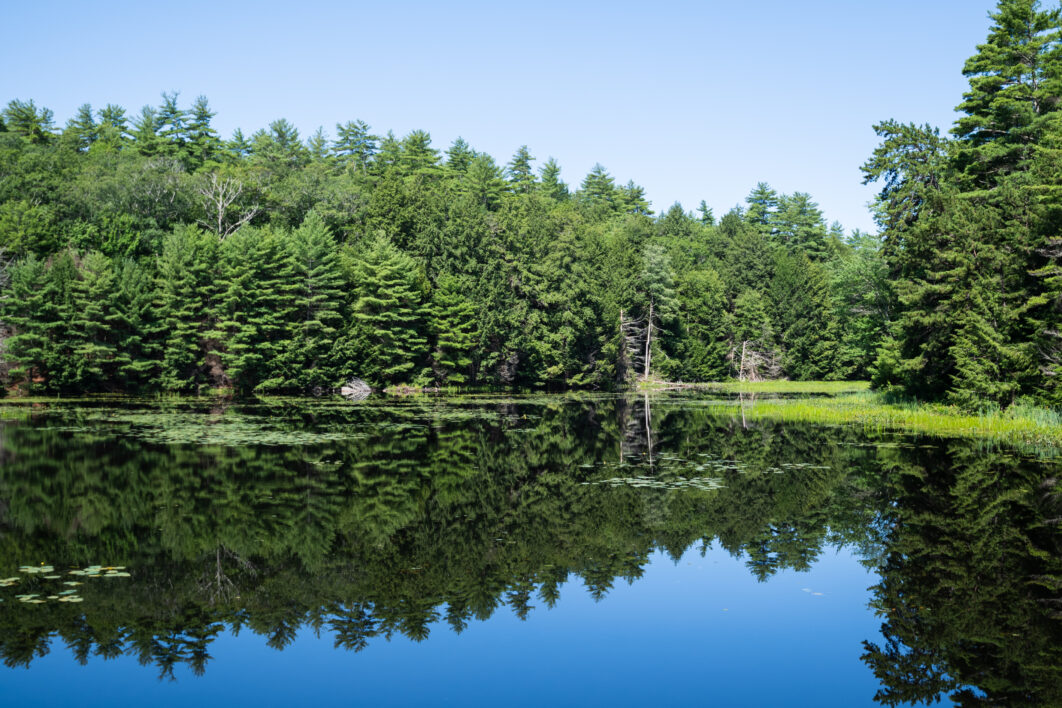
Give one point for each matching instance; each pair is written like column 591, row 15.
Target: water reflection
column 378, row 519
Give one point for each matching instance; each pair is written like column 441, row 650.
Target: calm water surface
column 569, row 550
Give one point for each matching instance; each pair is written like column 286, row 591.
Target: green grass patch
column 1033, row 430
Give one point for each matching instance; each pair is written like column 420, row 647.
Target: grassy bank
column 1033, row 430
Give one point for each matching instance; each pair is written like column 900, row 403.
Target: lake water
column 529, row 550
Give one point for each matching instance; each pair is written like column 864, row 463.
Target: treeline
column 150, row 254
column 971, row 227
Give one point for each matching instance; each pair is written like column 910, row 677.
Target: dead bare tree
column 220, row 195
column 758, row 363
column 5, row 331
column 633, row 333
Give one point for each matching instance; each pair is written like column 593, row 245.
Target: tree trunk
column 648, row 339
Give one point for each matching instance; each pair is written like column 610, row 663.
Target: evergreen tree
column 388, row 326
column 598, row 188
column 550, row 182
column 279, row 148
column 707, row 217
column 204, row 145
column 631, row 199
column 798, row 224
column 354, row 146
column 25, row 119
column 254, row 306
column 146, row 132
column 318, row 303
column 239, row 147
column 519, row 171
column 94, row 357
column 802, row 317
column 113, row 126
column 417, row 156
column 184, row 293
column 31, row 309
column 1014, row 84
column 484, row 181
column 134, row 329
column 171, row 122
column 82, row 128
column 657, row 293
column 459, row 157
column 452, row 319
column 763, row 204
column 704, row 326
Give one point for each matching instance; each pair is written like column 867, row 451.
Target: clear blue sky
column 692, row 100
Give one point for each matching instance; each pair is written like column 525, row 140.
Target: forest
column 144, row 252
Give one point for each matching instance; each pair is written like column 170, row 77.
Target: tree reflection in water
column 381, row 518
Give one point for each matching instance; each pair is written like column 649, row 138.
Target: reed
column 1034, row 430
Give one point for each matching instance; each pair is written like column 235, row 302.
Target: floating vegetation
column 39, row 574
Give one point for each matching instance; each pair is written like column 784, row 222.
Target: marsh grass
column 1031, row 429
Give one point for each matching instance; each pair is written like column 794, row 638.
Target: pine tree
column 519, row 171
column 763, row 204
column 459, row 156
column 707, row 217
column 1014, row 84
column 203, row 143
column 113, row 126
column 417, row 156
column 550, row 182
column 452, row 319
column 146, row 132
column 485, row 182
column 657, row 293
column 598, row 188
column 388, row 326
column 354, row 146
column 82, row 128
column 801, row 312
column 25, row 119
column 31, row 309
column 798, row 224
column 630, row 198
column 253, row 309
column 171, row 122
column 184, row 293
column 317, row 303
column 95, row 359
column 239, row 147
column 704, row 326
column 134, row 329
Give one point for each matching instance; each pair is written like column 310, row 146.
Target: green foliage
column 968, row 225
column 387, row 337
column 317, row 301
column 186, row 282
column 452, row 321
column 505, row 278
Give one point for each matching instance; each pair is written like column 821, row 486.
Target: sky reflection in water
column 394, row 520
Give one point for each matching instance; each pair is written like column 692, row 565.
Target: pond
column 518, row 550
